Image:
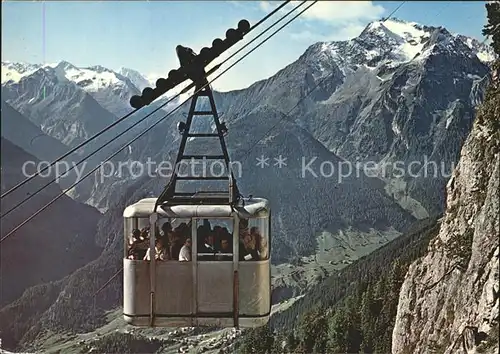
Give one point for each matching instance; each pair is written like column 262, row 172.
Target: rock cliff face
column 449, row 301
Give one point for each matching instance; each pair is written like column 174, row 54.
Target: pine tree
column 337, row 332
column 368, row 320
column 493, row 27
column 312, row 330
column 257, row 340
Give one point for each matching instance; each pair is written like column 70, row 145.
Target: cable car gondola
column 200, row 258
column 229, row 292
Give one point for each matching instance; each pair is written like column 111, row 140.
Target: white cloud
column 338, row 34
column 331, row 10
column 340, row 20
column 341, row 11
column 237, row 4
column 347, row 32
column 266, row 6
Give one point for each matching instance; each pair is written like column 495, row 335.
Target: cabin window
column 215, row 239
column 171, row 236
column 136, row 238
column 176, row 238
column 254, row 239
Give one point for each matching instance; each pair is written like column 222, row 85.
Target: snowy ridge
column 15, row 71
column 393, row 42
column 484, row 52
column 91, row 79
column 409, row 37
column 137, row 78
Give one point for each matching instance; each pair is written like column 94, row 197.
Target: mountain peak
column 99, row 69
column 63, row 64
column 396, row 28
column 14, row 71
column 136, row 78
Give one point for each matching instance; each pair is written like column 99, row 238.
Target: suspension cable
column 17, row 186
column 31, row 195
column 155, row 124
column 394, row 11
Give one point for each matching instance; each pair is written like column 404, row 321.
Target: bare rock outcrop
column 449, row 301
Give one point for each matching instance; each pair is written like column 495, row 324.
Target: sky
column 142, row 35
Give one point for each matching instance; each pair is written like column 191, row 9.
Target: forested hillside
column 351, row 311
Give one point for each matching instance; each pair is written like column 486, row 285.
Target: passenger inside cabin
column 185, row 252
column 248, row 250
column 202, row 232
column 206, row 224
column 209, row 243
column 136, row 237
column 165, row 229
column 260, row 242
column 225, row 245
column 243, row 228
column 225, row 249
column 175, row 240
column 183, row 229
column 217, row 230
column 138, row 246
column 161, row 253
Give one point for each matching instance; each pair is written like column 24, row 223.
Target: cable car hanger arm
column 192, row 65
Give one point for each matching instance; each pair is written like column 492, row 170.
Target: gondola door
column 215, row 274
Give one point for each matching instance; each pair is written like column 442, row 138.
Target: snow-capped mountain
column 397, row 92
column 13, row 72
column 111, row 89
column 484, row 52
column 59, row 107
column 136, row 78
column 394, row 42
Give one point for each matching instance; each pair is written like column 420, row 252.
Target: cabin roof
column 255, row 207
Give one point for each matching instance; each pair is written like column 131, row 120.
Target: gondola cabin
column 197, row 265
column 197, row 258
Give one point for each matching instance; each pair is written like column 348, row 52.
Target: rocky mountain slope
column 25, row 134
column 110, row 89
column 63, row 234
column 449, row 301
column 60, row 109
column 380, row 98
column 136, row 78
